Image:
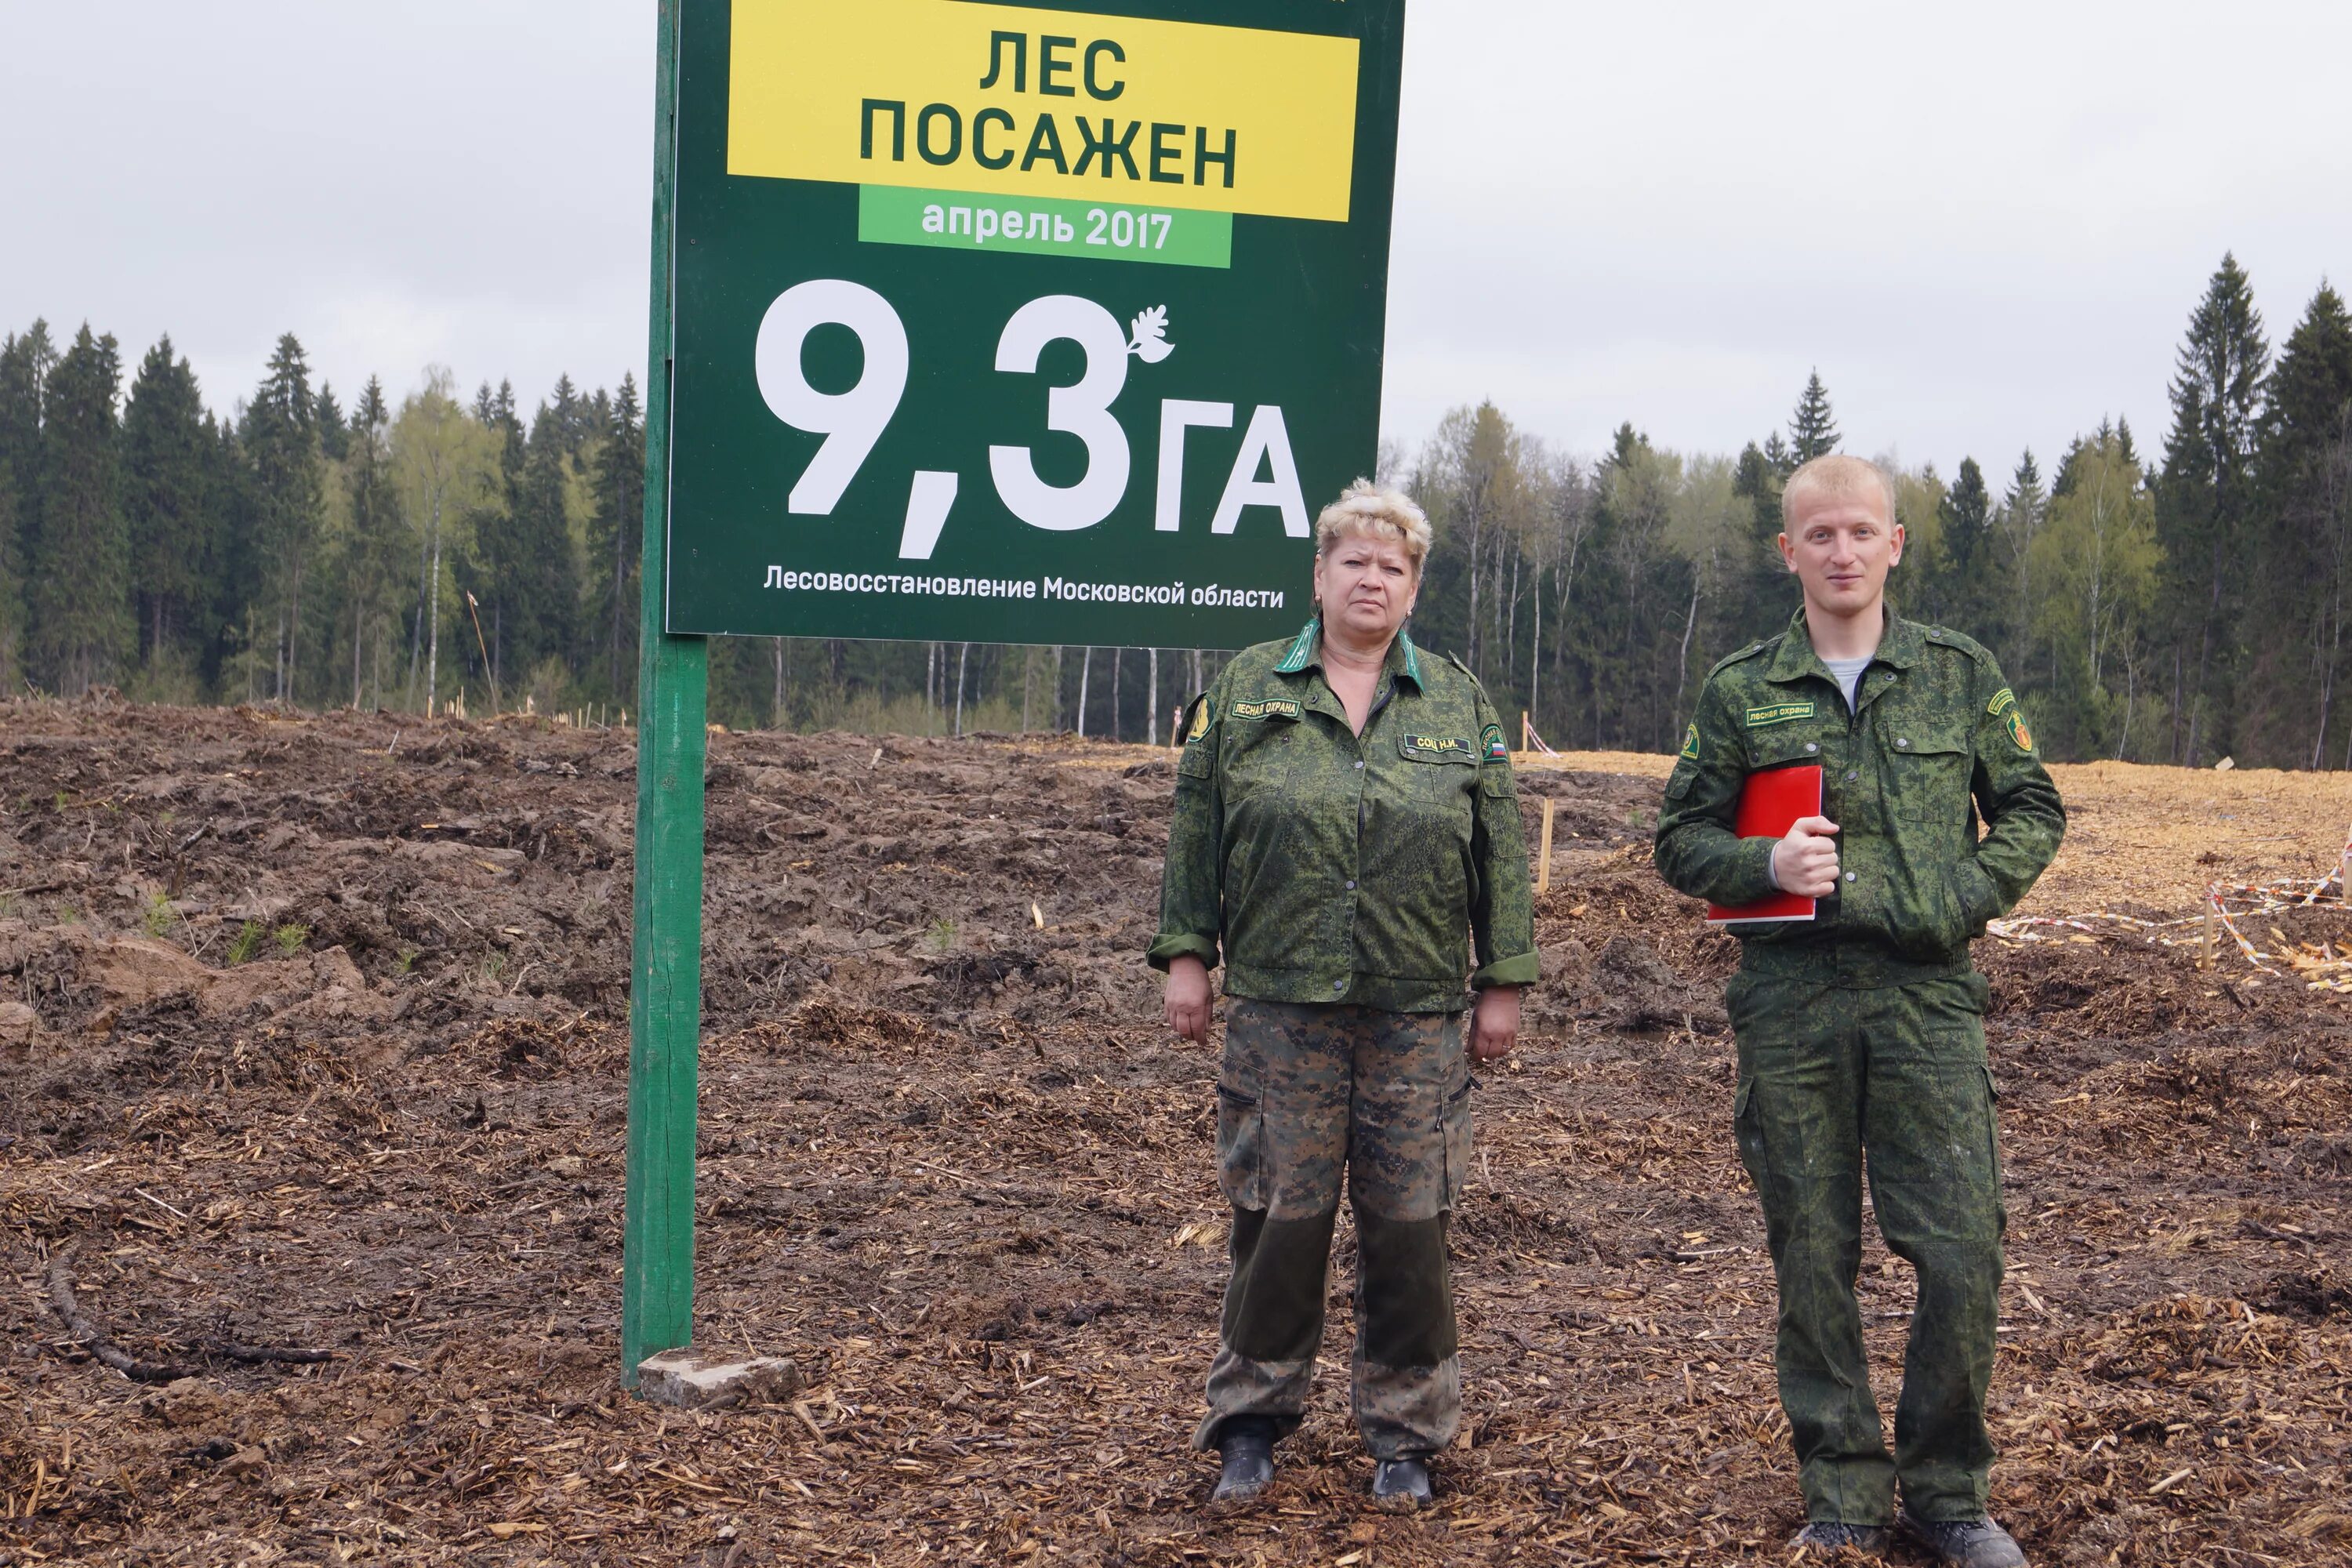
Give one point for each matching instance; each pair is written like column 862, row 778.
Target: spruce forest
column 2175, row 605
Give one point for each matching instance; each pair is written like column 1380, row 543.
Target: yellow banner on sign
column 1006, row 100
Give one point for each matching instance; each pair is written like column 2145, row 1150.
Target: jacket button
column 1338, row 986
column 1901, row 743
column 1351, row 886
column 1360, row 767
column 1813, row 746
column 1851, row 777
column 1849, row 876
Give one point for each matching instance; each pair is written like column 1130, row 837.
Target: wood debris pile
column 2226, row 908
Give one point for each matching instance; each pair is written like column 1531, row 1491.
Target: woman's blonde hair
column 1368, row 511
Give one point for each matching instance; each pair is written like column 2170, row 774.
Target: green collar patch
column 1307, row 648
column 1270, row 708
column 1690, row 743
column 1441, row 746
column 1778, row 713
column 1302, row 651
column 1412, row 658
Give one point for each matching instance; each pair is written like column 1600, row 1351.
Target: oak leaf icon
column 1150, row 331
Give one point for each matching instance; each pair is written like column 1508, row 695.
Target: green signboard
column 1022, row 323
column 1043, row 323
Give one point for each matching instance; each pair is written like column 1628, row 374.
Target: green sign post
column 1044, row 323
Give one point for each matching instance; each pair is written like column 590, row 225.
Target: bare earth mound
column 313, row 1037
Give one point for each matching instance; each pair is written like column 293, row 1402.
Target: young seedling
column 247, row 942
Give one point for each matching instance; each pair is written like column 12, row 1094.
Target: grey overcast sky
column 1985, row 223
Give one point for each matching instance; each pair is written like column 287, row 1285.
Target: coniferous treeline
column 293, row 551
column 2178, row 606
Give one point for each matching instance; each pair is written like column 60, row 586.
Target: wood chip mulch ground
column 952, row 1166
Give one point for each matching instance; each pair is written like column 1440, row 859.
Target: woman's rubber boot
column 1247, row 1444
column 1402, row 1483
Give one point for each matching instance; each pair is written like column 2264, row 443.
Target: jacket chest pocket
column 1798, row 745
column 1267, row 752
column 1927, row 767
column 1438, row 749
column 1441, row 763
column 1777, row 748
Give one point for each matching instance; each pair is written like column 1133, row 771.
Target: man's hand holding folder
column 1805, row 863
column 1785, row 805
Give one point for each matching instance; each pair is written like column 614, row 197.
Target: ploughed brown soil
column 953, row 1166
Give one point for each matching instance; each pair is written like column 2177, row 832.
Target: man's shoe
column 1965, row 1542
column 1826, row 1536
column 1402, row 1482
column 1248, row 1448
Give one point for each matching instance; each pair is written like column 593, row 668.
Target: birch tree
column 444, row 464
column 1707, row 526
column 2098, row 557
column 1473, row 482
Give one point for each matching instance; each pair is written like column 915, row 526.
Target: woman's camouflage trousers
column 1309, row 1092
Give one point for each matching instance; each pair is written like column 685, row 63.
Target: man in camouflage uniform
column 1344, row 877
column 1862, row 1029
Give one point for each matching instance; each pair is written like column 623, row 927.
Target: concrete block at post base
column 693, row 1380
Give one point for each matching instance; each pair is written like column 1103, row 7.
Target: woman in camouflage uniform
column 1344, row 814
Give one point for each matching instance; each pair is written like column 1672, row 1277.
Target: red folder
column 1770, row 805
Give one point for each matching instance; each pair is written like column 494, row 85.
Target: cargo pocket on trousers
column 1993, row 1151
column 1747, row 1131
column 1454, row 1123
column 1241, row 1148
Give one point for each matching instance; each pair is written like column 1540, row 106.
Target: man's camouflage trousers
column 1829, row 1075
column 1309, row 1092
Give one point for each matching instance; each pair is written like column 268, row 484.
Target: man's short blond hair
column 1838, row 477
column 1367, row 511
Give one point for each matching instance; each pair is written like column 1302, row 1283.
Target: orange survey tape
column 2341, row 857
